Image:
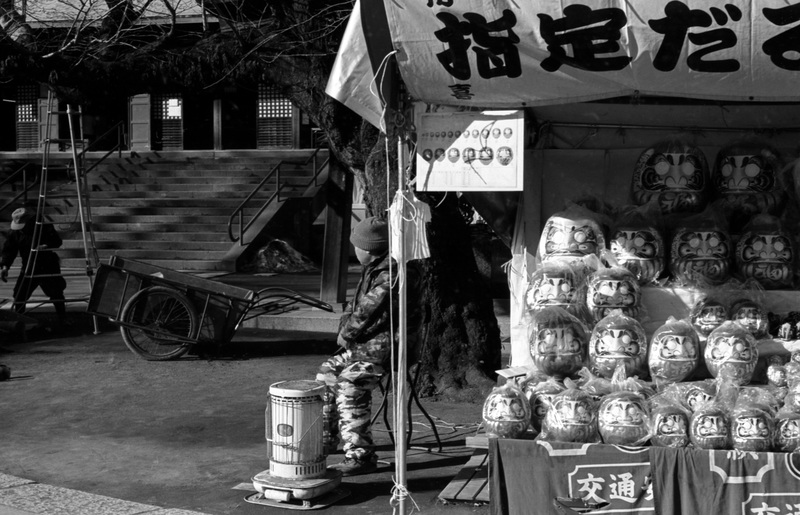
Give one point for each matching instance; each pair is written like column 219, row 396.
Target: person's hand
column 4, row 274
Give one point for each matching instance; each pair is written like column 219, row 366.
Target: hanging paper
column 470, row 151
column 408, row 218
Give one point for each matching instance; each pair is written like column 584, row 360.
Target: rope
column 400, row 493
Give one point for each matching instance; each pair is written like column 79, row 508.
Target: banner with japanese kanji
column 527, row 476
column 508, row 54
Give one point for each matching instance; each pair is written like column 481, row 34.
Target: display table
column 527, row 475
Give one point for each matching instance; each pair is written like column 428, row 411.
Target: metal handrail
column 25, row 186
column 276, row 171
column 120, row 128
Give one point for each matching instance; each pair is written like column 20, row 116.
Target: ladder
column 75, row 173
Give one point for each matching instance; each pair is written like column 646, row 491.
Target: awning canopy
column 511, row 54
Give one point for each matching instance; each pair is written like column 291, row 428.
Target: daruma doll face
column 558, row 342
column 673, row 172
column 564, row 237
column 733, row 347
column 700, row 255
column 623, row 419
column 641, row 251
column 674, row 353
column 618, row 341
column 670, row 427
column 766, row 257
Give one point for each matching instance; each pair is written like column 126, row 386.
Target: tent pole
column 402, row 367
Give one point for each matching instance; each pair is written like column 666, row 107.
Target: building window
column 27, row 114
column 275, row 128
column 167, row 114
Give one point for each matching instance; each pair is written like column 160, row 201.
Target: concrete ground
column 88, row 427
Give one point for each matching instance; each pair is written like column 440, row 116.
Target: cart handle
column 279, row 291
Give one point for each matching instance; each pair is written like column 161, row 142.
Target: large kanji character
column 787, row 42
column 496, row 55
column 590, row 33
column 491, row 47
column 675, row 28
column 454, row 59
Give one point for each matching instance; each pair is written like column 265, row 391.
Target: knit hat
column 19, row 218
column 371, row 234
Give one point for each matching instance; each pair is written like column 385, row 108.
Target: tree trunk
column 461, row 346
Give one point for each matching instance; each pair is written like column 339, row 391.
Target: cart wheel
column 164, row 312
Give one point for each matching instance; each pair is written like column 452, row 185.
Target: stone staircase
column 170, row 209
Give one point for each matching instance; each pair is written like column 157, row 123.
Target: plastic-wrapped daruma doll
column 618, row 339
column 674, row 352
column 540, row 397
column 640, row 249
column 571, row 235
column 765, row 252
column 707, row 315
column 669, row 420
column 614, row 288
column 624, row 419
column 751, row 315
column 708, row 427
column 506, row 413
column 675, row 173
column 558, row 342
column 558, row 284
column 745, row 180
column 787, row 431
column 752, row 428
column 572, row 417
column 701, row 254
column 696, row 393
column 732, row 346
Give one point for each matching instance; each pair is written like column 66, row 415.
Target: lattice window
column 274, row 118
column 167, row 114
column 168, row 107
column 271, row 104
column 27, row 99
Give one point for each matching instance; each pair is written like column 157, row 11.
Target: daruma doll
column 640, row 249
column 614, row 288
column 745, row 180
column 733, row 347
column 559, row 342
column 673, row 172
column 766, row 253
column 618, row 340
column 623, row 419
column 700, row 254
column 674, row 352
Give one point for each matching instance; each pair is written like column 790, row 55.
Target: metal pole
column 400, row 411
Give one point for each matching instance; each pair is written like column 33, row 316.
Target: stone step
column 257, row 170
column 294, row 174
column 241, row 189
column 149, row 254
column 169, row 210
column 150, row 226
column 172, row 264
column 218, row 245
column 108, row 195
column 171, row 220
column 153, row 236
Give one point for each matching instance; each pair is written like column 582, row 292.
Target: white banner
column 514, row 53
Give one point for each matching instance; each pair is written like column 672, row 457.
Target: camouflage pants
column 348, row 404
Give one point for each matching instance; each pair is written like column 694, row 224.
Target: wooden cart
column 162, row 313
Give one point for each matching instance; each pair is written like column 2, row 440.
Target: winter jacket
column 365, row 325
column 19, row 243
